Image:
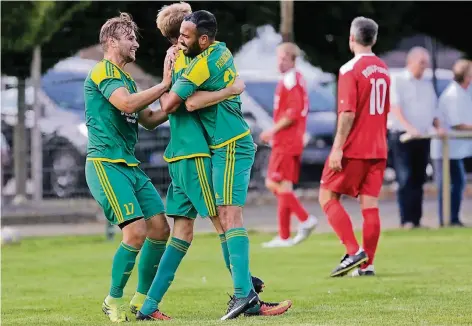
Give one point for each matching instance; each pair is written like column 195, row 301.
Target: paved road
column 263, row 218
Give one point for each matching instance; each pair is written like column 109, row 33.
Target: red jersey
column 291, row 100
column 364, row 88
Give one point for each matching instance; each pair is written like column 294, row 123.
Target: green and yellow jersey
column 112, row 134
column 187, row 136
column 213, row 70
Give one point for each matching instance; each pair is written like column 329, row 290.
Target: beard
column 192, row 50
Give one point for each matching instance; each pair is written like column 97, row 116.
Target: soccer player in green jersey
column 113, row 109
column 230, row 141
column 191, row 191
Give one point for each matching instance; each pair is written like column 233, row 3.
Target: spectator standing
column 455, row 114
column 413, row 110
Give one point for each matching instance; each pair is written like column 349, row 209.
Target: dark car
column 65, row 136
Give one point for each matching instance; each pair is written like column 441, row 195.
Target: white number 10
column 378, row 94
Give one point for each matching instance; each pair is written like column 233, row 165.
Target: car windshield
column 68, row 94
column 263, row 93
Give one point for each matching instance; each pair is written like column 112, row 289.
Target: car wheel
column 66, row 173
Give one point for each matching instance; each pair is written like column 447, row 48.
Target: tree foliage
column 321, row 28
column 27, row 24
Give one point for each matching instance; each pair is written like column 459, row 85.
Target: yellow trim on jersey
column 229, row 174
column 181, row 62
column 108, row 190
column 244, row 134
column 207, row 195
column 103, row 70
column 183, row 157
column 115, row 65
column 198, row 71
column 102, row 159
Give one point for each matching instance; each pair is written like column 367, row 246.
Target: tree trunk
column 286, row 20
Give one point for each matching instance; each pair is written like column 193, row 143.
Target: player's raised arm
column 132, row 103
column 203, row 99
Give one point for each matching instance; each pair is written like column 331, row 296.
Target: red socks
column 297, row 207
column 288, row 203
column 341, row 224
column 370, row 233
column 284, row 212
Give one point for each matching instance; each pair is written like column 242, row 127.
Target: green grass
column 424, row 277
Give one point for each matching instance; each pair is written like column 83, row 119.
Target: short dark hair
column 364, row 30
column 205, row 22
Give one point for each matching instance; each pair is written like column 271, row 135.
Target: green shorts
column 190, row 192
column 124, row 192
column 231, row 169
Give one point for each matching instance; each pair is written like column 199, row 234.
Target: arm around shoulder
column 132, row 103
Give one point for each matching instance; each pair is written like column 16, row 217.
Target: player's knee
column 158, row 228
column 271, row 185
column 285, row 186
column 134, row 234
column 368, row 202
column 183, row 229
column 217, row 224
column 325, row 196
column 231, row 217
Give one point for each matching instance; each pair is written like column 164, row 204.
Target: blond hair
column 169, row 18
column 117, row 26
column 461, row 69
column 290, row 49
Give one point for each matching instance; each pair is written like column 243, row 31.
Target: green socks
column 224, row 249
column 238, row 247
column 123, row 263
column 151, row 254
column 173, row 255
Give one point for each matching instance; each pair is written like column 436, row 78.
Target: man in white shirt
column 455, row 114
column 413, row 103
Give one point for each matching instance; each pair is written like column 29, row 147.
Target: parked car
column 65, row 135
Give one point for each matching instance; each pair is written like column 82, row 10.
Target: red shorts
column 284, row 167
column 358, row 177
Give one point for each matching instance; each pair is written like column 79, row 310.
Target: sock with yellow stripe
column 224, row 249
column 238, row 247
column 123, row 263
column 173, row 255
column 151, row 254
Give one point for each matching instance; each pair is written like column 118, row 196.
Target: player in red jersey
column 287, row 135
column 358, row 158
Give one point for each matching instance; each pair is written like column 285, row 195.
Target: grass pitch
column 424, row 277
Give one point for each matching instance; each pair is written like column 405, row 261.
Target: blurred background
column 48, row 49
